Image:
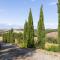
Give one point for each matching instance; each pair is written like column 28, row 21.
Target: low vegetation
column 51, row 47
column 52, row 40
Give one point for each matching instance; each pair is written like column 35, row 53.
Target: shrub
column 51, row 40
column 53, row 48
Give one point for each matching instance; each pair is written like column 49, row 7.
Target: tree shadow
column 13, row 54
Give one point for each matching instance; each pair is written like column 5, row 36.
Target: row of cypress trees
column 8, row 37
column 29, row 31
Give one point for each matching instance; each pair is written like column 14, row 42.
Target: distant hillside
column 47, row 31
column 51, row 30
column 52, row 34
column 21, row 30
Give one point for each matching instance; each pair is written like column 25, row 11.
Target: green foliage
column 30, row 43
column 51, row 40
column 12, row 39
column 53, row 48
column 21, row 44
column 41, row 30
column 11, row 36
column 8, row 37
column 20, row 41
column 25, row 34
column 59, row 23
column 19, row 37
column 5, row 37
column 16, row 35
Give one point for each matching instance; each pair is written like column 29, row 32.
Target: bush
column 19, row 40
column 51, row 40
column 53, row 48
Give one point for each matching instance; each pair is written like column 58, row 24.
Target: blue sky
column 15, row 12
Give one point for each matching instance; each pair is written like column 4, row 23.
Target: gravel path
column 11, row 52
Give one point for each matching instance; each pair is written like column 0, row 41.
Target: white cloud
column 10, row 24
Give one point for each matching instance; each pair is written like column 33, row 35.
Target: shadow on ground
column 14, row 53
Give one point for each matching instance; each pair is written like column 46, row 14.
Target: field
column 52, row 34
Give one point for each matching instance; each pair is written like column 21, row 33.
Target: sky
column 14, row 13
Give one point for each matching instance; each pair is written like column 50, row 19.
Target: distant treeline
column 46, row 30
column 51, row 30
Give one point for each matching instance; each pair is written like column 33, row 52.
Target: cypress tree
column 12, row 39
column 59, row 23
column 41, row 30
column 8, row 37
column 5, row 37
column 25, row 33
column 30, row 43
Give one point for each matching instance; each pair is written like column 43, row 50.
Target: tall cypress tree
column 25, row 33
column 41, row 30
column 4, row 37
column 59, row 23
column 30, row 43
column 8, row 36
